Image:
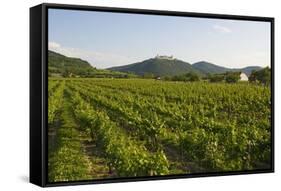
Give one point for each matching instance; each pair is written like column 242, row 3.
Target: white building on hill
column 164, row 57
column 243, row 77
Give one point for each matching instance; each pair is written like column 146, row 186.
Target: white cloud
column 95, row 58
column 53, row 45
column 222, row 29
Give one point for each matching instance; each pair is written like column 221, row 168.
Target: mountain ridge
column 157, row 67
column 210, row 68
column 170, row 67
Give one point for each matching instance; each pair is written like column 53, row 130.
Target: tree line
column 262, row 76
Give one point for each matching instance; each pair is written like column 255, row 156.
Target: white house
column 243, row 77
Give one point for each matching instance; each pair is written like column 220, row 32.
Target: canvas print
column 138, row 95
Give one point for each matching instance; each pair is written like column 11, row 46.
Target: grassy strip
column 68, row 162
column 54, row 102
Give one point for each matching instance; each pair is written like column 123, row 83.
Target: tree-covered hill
column 209, row 68
column 63, row 66
column 175, row 67
column 157, row 67
column 60, row 64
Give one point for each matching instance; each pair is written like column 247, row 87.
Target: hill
column 60, row 65
column 171, row 67
column 209, row 68
column 248, row 70
column 158, row 67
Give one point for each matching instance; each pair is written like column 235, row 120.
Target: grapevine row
column 126, row 156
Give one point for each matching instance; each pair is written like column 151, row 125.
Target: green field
column 107, row 128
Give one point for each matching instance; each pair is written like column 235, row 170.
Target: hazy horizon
column 115, row 39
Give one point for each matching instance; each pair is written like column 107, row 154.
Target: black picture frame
column 39, row 93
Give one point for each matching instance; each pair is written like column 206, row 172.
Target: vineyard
column 108, row 128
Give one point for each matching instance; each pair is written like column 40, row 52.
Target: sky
column 113, row 39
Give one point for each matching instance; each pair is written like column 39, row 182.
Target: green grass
column 68, row 162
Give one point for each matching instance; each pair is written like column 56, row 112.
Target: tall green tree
column 232, row 77
column 262, row 76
